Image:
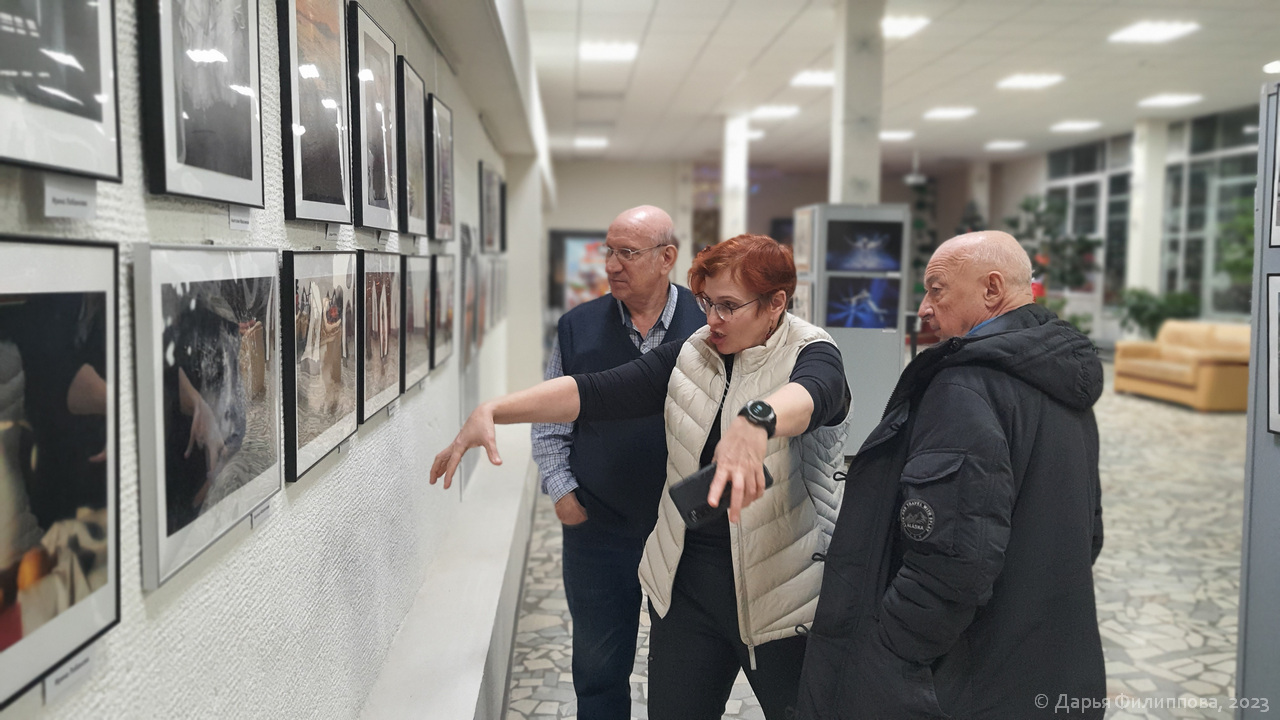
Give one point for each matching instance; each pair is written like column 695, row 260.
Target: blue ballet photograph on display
column 860, row 302
column 857, row 245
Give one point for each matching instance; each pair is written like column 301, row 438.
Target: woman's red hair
column 762, row 264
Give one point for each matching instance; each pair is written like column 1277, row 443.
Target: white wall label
column 393, row 408
column 67, row 196
column 331, row 232
column 260, row 516
column 73, row 673
column 346, row 445
column 239, row 218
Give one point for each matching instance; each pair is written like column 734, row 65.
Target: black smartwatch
column 760, row 414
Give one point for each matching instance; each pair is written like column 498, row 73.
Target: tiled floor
column 1167, row 580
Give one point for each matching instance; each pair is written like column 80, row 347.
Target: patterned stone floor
column 1167, row 580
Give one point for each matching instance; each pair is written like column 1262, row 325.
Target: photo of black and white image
column 58, row 455
column 313, row 85
column 57, row 86
column 412, row 100
column 483, row 293
column 864, row 246
column 380, row 323
column 468, row 280
column 374, row 117
column 490, row 209
column 862, row 302
column 441, row 152
column 442, row 288
column 416, row 356
column 201, row 99
column 209, row 401
column 321, row 355
column 802, row 240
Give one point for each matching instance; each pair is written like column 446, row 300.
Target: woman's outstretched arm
column 551, row 401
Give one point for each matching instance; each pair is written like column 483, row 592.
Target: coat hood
column 1033, row 345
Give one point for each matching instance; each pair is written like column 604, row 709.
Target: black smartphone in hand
column 690, row 497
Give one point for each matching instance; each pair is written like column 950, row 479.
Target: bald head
column 646, row 237
column 645, row 222
column 972, row 278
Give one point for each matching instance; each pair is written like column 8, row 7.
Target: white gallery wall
column 292, row 619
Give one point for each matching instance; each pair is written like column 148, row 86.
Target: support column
column 733, row 177
column 1146, row 205
column 682, row 218
column 526, row 272
column 980, row 189
column 856, row 102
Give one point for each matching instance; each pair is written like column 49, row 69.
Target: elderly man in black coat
column 959, row 579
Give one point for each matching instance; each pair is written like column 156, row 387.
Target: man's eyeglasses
column 627, row 254
column 724, row 311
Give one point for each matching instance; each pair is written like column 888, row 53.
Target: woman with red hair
column 756, row 387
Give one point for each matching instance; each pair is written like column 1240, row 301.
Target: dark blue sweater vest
column 620, row 465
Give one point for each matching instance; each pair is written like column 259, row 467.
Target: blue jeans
column 603, row 591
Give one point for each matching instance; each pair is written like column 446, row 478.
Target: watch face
column 758, row 408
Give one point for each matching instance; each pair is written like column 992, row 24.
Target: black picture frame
column 214, row 153
column 380, row 279
column 52, row 118
column 502, row 214
column 441, row 208
column 411, row 99
column 316, row 424
column 375, row 182
column 489, row 239
column 443, row 308
column 418, row 319
column 65, row 267
column 314, row 110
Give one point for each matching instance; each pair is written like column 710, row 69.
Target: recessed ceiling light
column 1006, row 144
column 608, row 51
column 755, row 134
column 815, row 78
column 1153, row 31
column 1249, row 129
column 775, row 112
column 896, row 135
column 1165, row 100
column 1272, row 67
column 1068, row 126
column 1029, row 81
column 590, row 142
column 949, row 113
column 901, row 26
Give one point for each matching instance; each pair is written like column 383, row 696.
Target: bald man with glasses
column 606, row 477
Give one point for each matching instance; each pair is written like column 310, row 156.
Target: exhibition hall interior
column 259, row 263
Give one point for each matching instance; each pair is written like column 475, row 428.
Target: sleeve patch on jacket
column 916, row 518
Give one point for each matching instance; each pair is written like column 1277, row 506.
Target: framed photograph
column 862, row 302
column 855, row 245
column 802, row 240
column 374, row 113
column 802, row 302
column 441, row 164
column 490, row 215
column 585, row 277
column 320, row 356
column 411, row 96
column 314, row 110
column 442, row 289
column 58, row 105
column 415, row 353
column 200, row 99
column 1273, row 353
column 502, row 213
column 484, row 267
column 468, row 297
column 208, row 396
column 60, row 454
column 379, row 370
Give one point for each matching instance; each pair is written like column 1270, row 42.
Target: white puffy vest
column 775, row 575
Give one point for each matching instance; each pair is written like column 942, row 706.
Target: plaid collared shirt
column 551, row 441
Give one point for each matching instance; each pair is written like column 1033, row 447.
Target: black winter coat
column 959, row 579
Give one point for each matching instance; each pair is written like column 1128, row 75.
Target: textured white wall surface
column 294, row 619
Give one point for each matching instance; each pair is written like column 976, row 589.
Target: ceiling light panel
column 1070, row 126
column 896, row 135
column 1272, row 67
column 608, row 51
column 815, row 78
column 1168, row 100
column 1153, row 31
column 1029, row 81
column 902, row 26
column 949, row 113
column 755, row 134
column 1006, row 145
column 775, row 112
column 590, row 142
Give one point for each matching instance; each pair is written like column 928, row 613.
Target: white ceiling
column 700, row 60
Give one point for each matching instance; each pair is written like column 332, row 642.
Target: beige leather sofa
column 1199, row 364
